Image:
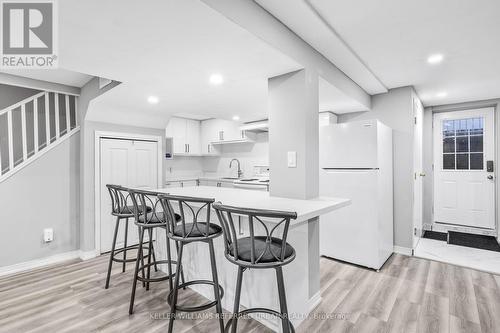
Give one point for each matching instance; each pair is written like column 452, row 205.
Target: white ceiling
column 59, row 75
column 167, row 49
column 392, row 40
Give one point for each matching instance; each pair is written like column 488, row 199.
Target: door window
column 463, row 144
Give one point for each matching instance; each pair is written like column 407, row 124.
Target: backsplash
column 249, row 155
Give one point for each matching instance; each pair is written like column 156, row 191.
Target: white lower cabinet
column 181, row 183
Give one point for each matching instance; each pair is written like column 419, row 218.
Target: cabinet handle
column 188, row 147
column 208, row 148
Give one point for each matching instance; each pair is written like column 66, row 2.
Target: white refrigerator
column 356, row 163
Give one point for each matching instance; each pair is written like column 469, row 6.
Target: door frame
column 496, row 127
column 98, row 135
column 418, row 172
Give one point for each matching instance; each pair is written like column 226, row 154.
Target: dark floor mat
column 441, row 236
column 476, row 241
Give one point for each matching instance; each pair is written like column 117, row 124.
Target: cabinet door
column 176, row 129
column 229, row 131
column 193, row 136
column 209, row 134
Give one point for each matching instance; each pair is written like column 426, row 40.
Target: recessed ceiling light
column 216, row 79
column 236, row 118
column 435, row 59
column 441, row 94
column 153, row 100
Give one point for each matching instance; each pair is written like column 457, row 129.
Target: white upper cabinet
column 185, row 134
column 220, row 131
column 209, row 134
column 194, row 138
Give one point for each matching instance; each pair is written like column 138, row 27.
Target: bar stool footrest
column 195, row 308
column 158, row 279
column 256, row 310
column 128, row 248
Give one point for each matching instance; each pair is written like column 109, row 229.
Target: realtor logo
column 28, row 34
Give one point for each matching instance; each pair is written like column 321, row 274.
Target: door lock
column 490, row 177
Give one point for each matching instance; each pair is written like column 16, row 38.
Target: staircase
column 33, row 126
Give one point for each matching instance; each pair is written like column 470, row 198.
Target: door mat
column 440, row 236
column 476, row 241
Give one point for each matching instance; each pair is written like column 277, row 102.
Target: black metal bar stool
column 194, row 229
column 121, row 207
column 155, row 218
column 258, row 251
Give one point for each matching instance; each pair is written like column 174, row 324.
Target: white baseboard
column 407, row 251
column 37, row 263
column 86, row 255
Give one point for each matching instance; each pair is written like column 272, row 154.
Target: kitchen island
column 259, row 286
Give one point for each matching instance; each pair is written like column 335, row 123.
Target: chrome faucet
column 240, row 173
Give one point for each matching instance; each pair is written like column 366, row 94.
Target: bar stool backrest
column 194, row 216
column 120, row 201
column 257, row 228
column 147, row 201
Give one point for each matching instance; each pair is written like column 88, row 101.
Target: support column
column 293, row 130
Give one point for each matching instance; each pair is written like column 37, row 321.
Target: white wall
column 44, row 194
column 395, row 110
column 249, row 155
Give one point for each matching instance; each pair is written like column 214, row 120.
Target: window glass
column 449, row 161
column 476, row 161
column 461, row 137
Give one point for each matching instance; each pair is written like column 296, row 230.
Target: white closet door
column 131, row 164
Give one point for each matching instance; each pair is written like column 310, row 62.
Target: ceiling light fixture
column 216, row 79
column 236, row 118
column 435, row 59
column 153, row 100
column 441, row 94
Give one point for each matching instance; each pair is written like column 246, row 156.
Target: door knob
column 490, row 177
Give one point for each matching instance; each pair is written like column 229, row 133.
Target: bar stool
column 188, row 231
column 123, row 209
column 154, row 219
column 259, row 252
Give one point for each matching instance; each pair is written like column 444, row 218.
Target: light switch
column 292, row 159
column 48, row 235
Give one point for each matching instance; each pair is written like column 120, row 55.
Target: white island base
column 302, row 276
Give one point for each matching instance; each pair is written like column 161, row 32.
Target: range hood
column 256, row 126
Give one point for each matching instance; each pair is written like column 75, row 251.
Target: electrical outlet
column 48, row 235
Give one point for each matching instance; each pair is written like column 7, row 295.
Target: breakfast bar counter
column 301, row 276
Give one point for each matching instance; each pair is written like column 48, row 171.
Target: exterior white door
column 464, row 154
column 131, row 164
column 418, row 171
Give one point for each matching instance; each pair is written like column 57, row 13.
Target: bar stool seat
column 194, row 227
column 122, row 210
column 156, row 218
column 270, row 252
column 258, row 252
column 197, row 230
column 129, row 210
column 147, row 223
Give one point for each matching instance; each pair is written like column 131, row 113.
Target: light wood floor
column 408, row 295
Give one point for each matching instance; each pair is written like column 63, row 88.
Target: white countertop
column 306, row 209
